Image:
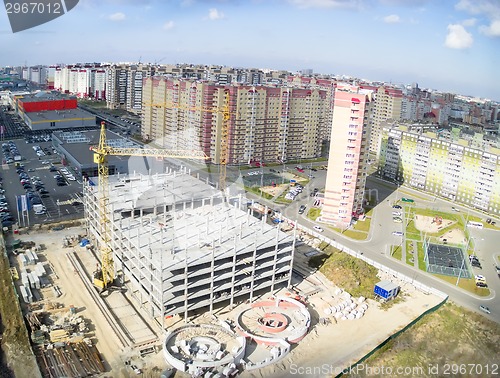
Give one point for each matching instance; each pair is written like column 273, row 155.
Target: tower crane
column 224, row 142
column 104, row 274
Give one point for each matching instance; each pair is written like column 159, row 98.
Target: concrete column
column 212, row 281
column 185, row 286
column 291, row 261
column 254, row 263
column 275, row 260
column 234, row 272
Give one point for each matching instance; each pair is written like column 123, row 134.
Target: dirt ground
column 274, row 190
column 331, row 348
column 428, row 224
column 335, row 345
column 454, row 236
column 74, row 293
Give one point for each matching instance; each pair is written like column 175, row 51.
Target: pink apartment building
column 346, row 176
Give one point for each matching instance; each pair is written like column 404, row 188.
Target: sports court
column 447, row 260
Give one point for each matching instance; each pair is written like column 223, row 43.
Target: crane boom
column 104, row 274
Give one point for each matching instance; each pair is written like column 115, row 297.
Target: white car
column 485, row 309
column 479, row 277
column 455, row 209
column 71, row 178
column 397, row 233
column 396, row 213
column 318, row 228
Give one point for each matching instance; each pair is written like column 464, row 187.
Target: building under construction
column 179, row 245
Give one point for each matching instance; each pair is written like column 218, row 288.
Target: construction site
column 167, row 273
column 178, row 246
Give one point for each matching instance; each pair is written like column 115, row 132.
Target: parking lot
column 61, row 202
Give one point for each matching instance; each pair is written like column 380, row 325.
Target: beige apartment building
column 347, row 162
column 387, row 105
column 266, row 123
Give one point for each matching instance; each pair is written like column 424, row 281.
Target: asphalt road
column 380, row 237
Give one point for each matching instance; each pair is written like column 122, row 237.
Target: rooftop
column 192, row 235
column 81, row 150
column 60, row 115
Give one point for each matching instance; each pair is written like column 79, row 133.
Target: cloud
column 469, row 22
column 392, row 19
column 214, row 14
column 168, row 25
column 487, row 8
column 119, row 16
column 493, row 30
column 349, row 4
column 458, row 37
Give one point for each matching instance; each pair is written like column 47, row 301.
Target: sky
column 447, row 45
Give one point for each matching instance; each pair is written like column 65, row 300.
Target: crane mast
column 104, row 274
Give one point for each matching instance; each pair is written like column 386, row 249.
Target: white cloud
column 117, row 16
column 392, row 19
column 353, row 4
column 168, row 25
column 487, row 8
column 458, row 37
column 493, row 30
column 469, row 22
column 214, row 14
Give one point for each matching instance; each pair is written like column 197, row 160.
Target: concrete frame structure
column 180, row 247
column 347, row 161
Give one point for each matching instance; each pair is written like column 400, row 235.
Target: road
column 380, row 237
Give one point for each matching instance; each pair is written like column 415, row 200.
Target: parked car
column 397, row 207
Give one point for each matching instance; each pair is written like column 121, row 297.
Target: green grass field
column 363, row 225
column 451, row 335
column 353, row 275
column 356, row 235
column 396, row 252
column 468, row 284
column 313, row 213
column 421, row 256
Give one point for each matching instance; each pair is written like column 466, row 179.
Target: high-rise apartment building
column 447, row 167
column 346, row 176
column 387, row 105
column 116, row 86
column 83, row 81
column 267, row 123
